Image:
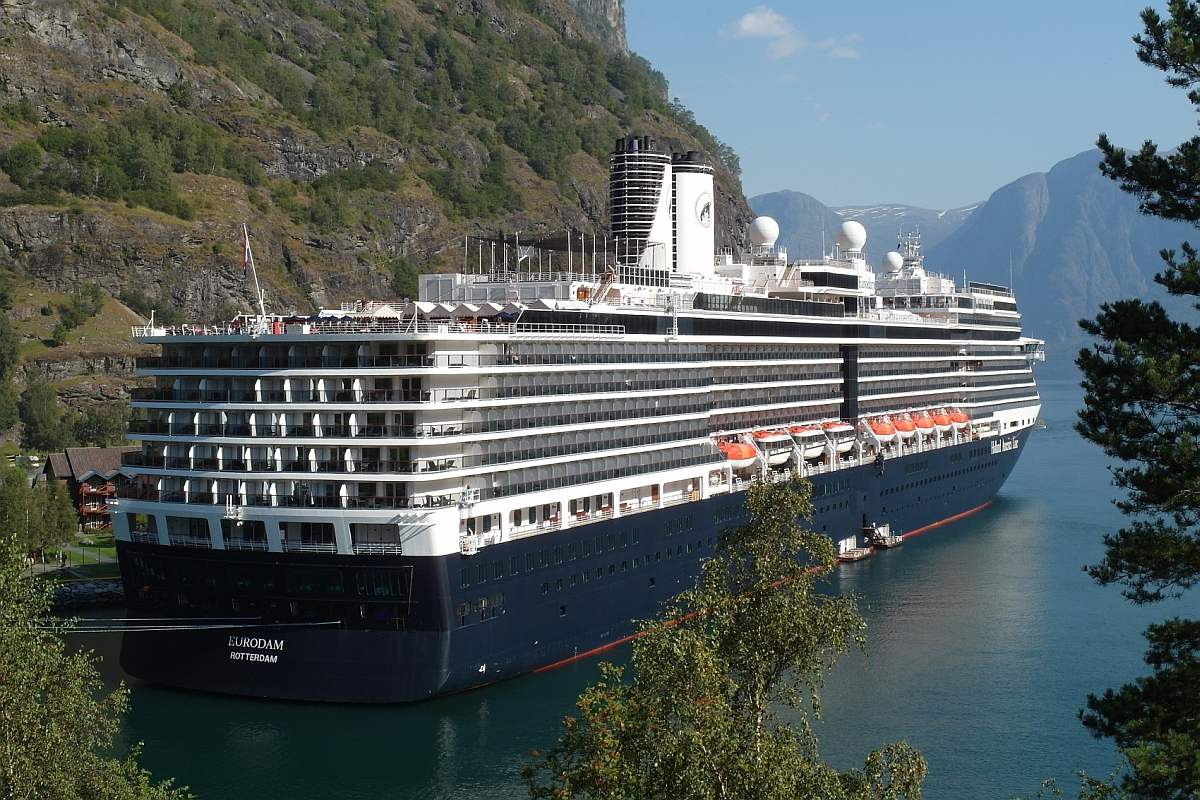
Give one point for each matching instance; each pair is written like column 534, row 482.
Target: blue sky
column 934, row 104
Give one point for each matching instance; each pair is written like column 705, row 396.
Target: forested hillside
column 359, row 141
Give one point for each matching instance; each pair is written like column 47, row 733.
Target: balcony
column 378, row 548
column 237, row 543
column 309, row 547
column 188, row 540
column 136, row 492
column 376, row 501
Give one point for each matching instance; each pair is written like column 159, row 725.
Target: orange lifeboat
column 941, row 421
column 740, row 455
column 884, row 431
column 905, row 428
column 924, row 424
column 959, row 419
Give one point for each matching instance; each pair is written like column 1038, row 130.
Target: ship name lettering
column 269, row 658
column 255, row 643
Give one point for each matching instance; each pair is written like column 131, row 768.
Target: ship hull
column 425, row 645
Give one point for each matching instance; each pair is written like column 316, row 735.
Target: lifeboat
column 905, row 428
column 841, row 434
column 739, row 455
column 884, row 431
column 959, row 420
column 924, row 424
column 810, row 438
column 941, row 421
column 776, row 446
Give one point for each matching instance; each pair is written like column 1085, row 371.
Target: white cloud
column 767, row 23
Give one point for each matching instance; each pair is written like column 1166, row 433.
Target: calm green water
column 985, row 637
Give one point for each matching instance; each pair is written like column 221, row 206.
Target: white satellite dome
column 851, row 236
column 893, row 261
column 763, row 232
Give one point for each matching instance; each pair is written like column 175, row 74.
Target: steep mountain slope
column 359, row 140
column 346, row 134
column 1075, row 241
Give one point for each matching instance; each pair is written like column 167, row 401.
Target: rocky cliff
column 350, row 138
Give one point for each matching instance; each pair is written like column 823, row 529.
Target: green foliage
column 406, row 277
column 164, row 313
column 46, row 426
column 36, row 517
column 102, row 425
column 131, row 159
column 58, row 726
column 13, row 114
column 85, row 303
column 493, row 196
column 702, row 718
column 450, row 66
column 21, row 162
column 1154, row 719
column 1143, row 407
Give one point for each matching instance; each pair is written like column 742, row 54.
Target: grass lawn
column 93, row 571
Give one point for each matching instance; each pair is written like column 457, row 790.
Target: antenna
column 249, row 259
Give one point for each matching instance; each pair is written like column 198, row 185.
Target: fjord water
column 984, row 635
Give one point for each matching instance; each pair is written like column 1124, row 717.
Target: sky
column 932, row 104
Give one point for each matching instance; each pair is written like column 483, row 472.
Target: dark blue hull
column 320, row 627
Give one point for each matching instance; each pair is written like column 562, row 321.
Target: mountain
column 1074, row 240
column 805, row 223
column 360, row 141
column 885, row 222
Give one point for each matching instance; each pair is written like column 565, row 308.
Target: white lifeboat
column 775, row 445
column 841, row 434
column 810, row 439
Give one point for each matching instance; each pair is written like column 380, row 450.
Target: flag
column 246, row 253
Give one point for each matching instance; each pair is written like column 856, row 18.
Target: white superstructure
column 604, row 383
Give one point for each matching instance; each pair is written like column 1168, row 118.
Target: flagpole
column 250, row 257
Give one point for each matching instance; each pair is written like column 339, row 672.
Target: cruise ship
column 390, row 501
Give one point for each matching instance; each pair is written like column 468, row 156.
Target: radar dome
column 851, row 236
column 763, row 232
column 893, row 261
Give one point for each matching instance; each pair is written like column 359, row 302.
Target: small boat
column 739, row 455
column 941, row 421
column 883, row 430
column 811, row 440
column 841, row 434
column 959, row 419
column 905, row 427
column 776, row 446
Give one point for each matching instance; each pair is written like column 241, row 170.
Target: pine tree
column 1142, row 405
